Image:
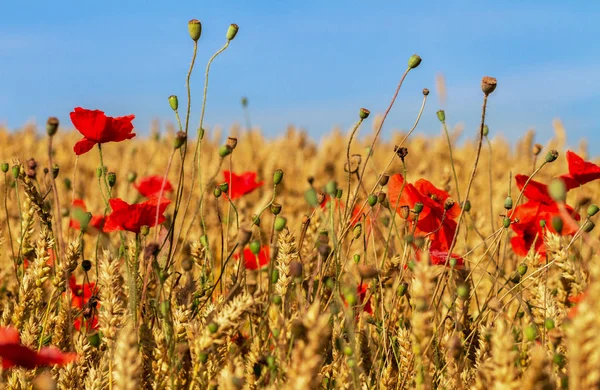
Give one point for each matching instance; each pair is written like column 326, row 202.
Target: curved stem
column 452, row 159
column 354, row 130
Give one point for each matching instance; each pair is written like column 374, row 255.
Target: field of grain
column 224, row 259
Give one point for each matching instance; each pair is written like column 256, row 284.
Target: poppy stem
column 12, row 249
column 189, row 91
column 451, row 159
column 162, row 191
column 61, row 242
column 354, row 130
column 490, row 183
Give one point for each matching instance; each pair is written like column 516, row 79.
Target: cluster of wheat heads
column 286, row 286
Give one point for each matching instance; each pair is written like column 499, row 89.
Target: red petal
column 90, row 123
column 151, row 185
column 580, row 171
column 535, row 190
column 83, row 146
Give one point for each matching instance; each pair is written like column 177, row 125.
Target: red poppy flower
column 526, row 218
column 254, row 262
column 150, row 186
column 434, row 221
column 361, row 290
column 14, row 354
column 96, row 222
column 97, row 128
column 132, row 217
column 80, row 295
column 580, row 171
column 240, row 185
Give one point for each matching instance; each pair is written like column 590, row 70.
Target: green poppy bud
column 372, row 200
column 255, row 247
column 204, row 240
column 522, row 269
column 225, row 151
column 530, row 332
column 357, row 231
column 52, row 126
column 549, row 324
column 557, row 224
column 591, row 211
column 542, row 223
column 348, row 350
column 508, row 203
column 339, row 193
column 441, row 116
column 131, row 176
column 144, row 230
column 203, row 357
column 280, row 223
column 232, row 31
column 174, row 102
column 15, row 171
column 402, row 289
column 275, row 208
column 99, row 172
column 467, row 205
column 4, row 167
column 55, row 170
column 414, row 61
column 588, row 226
column 558, row 190
column 274, row 276
column 195, row 29
column 276, row 299
column 94, row 339
column 112, row 179
column 418, row 207
column 331, row 188
column 224, row 187
column 67, row 182
column 463, row 291
column 180, row 139
column 244, row 102
column 551, row 156
column 356, row 258
column 217, row 192
column 277, row 176
column 485, row 131
column 506, row 222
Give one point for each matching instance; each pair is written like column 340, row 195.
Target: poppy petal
column 83, row 146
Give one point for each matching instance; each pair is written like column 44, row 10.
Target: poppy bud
column 339, row 193
column 506, row 222
column 549, row 324
column 55, row 170
column 232, row 142
column 350, row 297
column 15, row 171
column 557, row 224
column 356, row 258
column 488, row 85
column 195, row 29
column 52, row 126
column 364, row 113
column 372, row 200
column 357, row 230
column 256, row 220
column 485, row 131
column 225, row 151
column 425, row 92
column 414, row 61
column 180, row 139
column 537, row 149
column 384, row 180
column 592, row 210
column 331, row 187
column 508, row 203
column 67, row 182
column 280, row 223
column 277, row 176
column 418, row 207
column 244, row 102
column 99, row 172
column 448, row 204
column 4, row 167
column 232, row 31
column 467, row 205
column 275, row 208
column 217, row 192
column 402, row 289
column 558, row 190
column 542, row 223
column 381, row 197
column 522, row 269
column 530, row 332
column 255, row 247
column 86, row 265
column 441, row 116
column 213, row 327
column 144, row 230
column 131, row 176
column 588, row 226
column 551, row 156
column 112, row 179
column 174, row 102
column 296, row 269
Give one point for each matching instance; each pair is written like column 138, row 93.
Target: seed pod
column 232, row 31
column 364, row 113
column 174, row 102
column 551, row 156
column 488, row 85
column 195, row 29
column 52, row 126
column 414, row 61
column 441, row 116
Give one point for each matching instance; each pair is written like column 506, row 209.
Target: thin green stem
column 451, row 159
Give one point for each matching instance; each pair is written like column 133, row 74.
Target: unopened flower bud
column 213, row 327
column 530, row 332
column 372, row 200
column 331, row 187
column 244, row 102
column 404, row 212
column 381, row 197
column 217, row 192
column 195, row 29
column 506, row 222
column 522, row 269
column 488, row 85
column 357, row 231
column 255, row 247
column 537, row 149
column 99, row 172
column 441, row 116
column 402, row 289
column 588, row 226
column 180, row 139
column 467, row 205
column 508, row 203
column 52, row 126
column 414, row 61
column 111, row 177
column 339, row 193
column 356, row 258
column 591, row 211
column 384, row 180
column 277, row 176
column 174, row 102
column 275, row 208
column 232, row 31
column 256, row 220
column 364, row 113
column 551, row 156
column 549, row 324
column 542, row 223
column 67, row 182
column 418, row 207
column 280, row 223
column 225, row 151
column 485, row 131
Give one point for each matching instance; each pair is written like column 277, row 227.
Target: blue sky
column 310, row 63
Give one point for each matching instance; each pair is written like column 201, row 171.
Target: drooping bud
column 551, row 156
column 414, row 61
column 174, row 102
column 280, row 223
column 52, row 126
column 225, row 151
column 364, row 113
column 591, row 211
column 372, row 200
column 180, row 139
column 384, row 180
column 488, row 85
column 277, row 176
column 588, row 226
column 195, row 29
column 111, row 177
column 232, row 31
column 558, row 190
column 441, row 116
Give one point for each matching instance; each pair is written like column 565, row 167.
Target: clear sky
column 309, row 63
